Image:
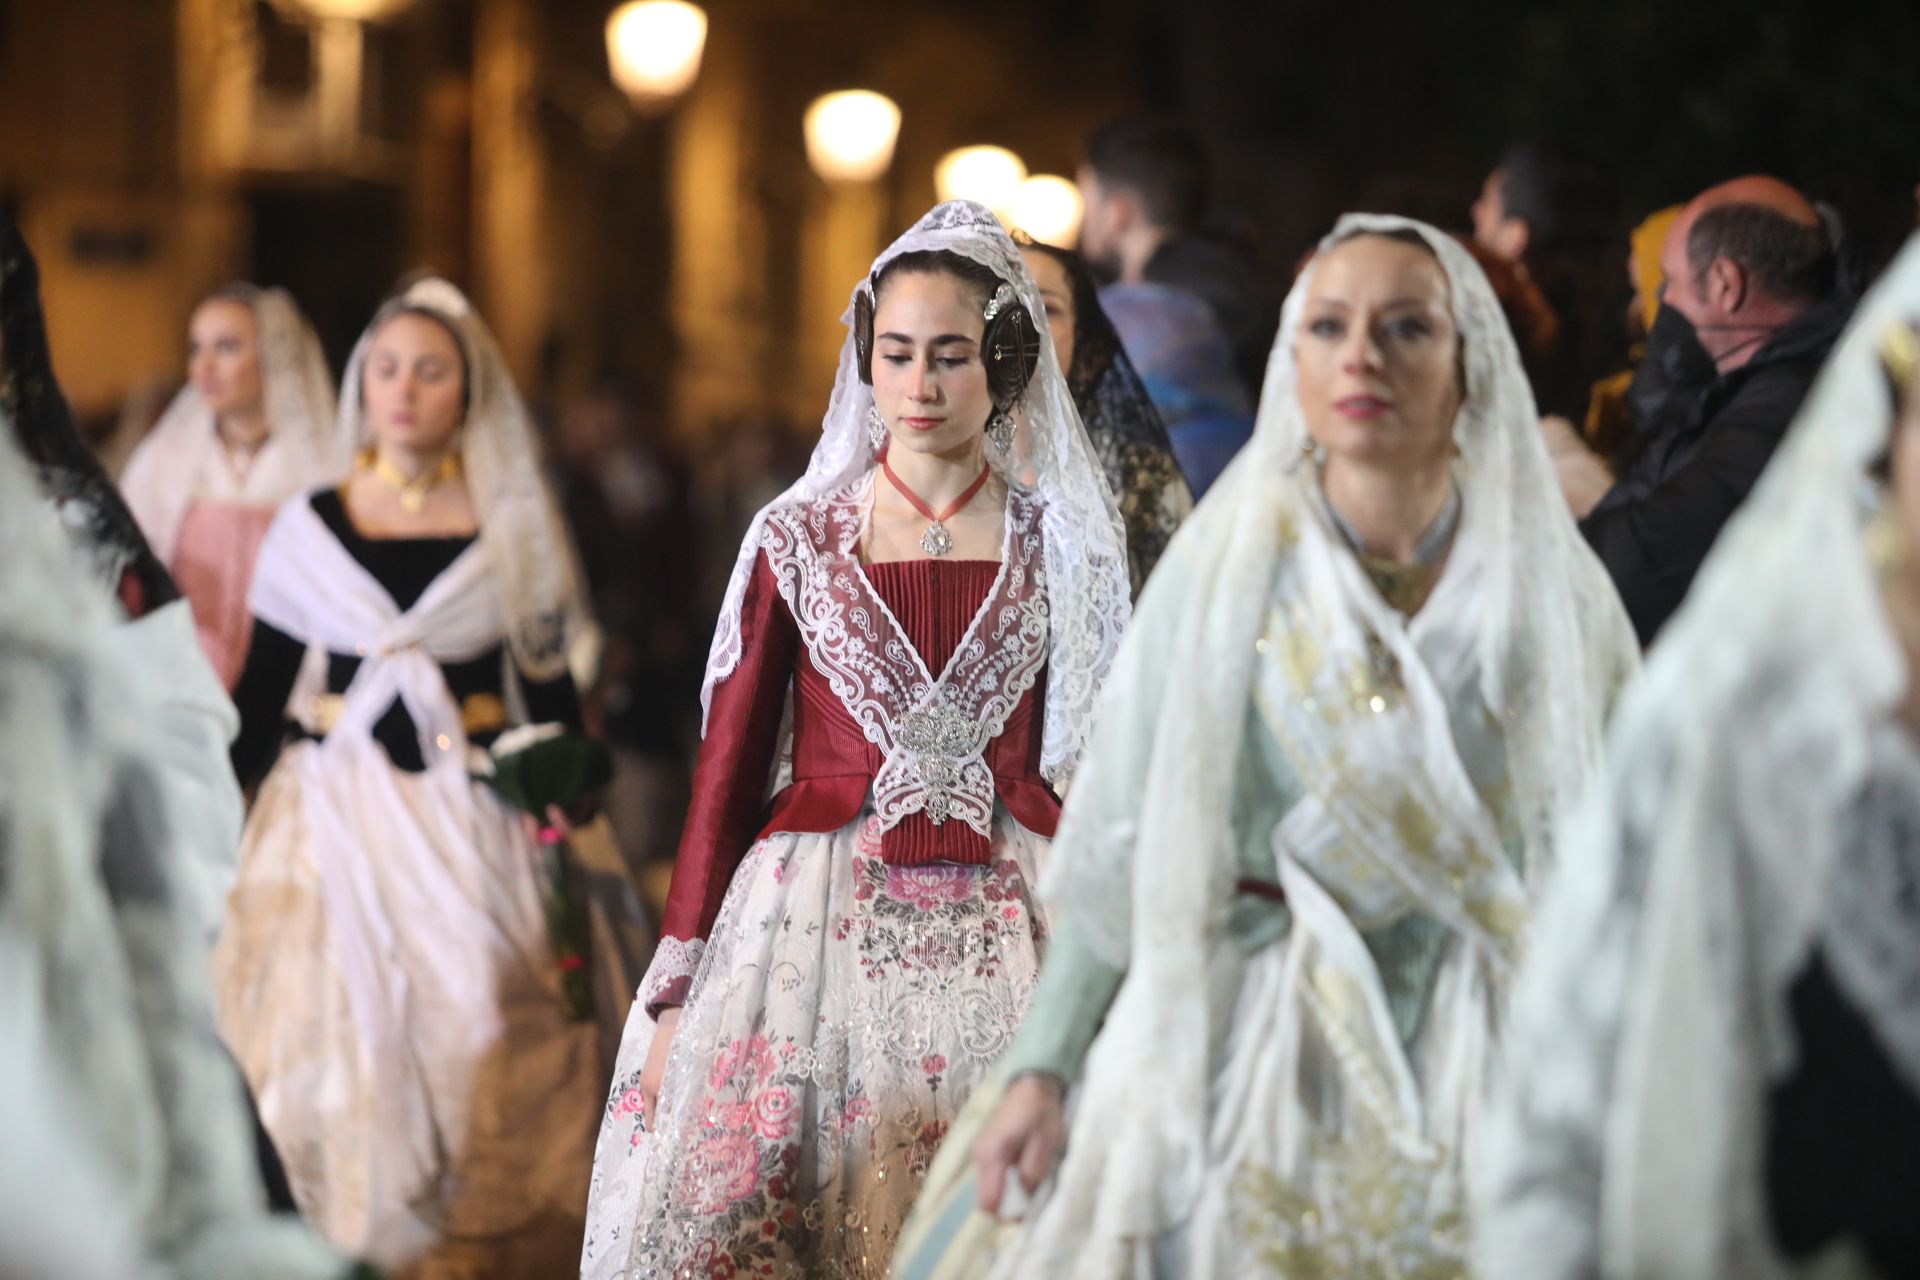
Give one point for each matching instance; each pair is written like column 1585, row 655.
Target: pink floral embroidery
column 858, row 1109
column 1004, row 883
column 721, row 1170
column 932, row 886
column 774, row 1112
column 933, row 1064
column 742, row 1065
column 633, row 1103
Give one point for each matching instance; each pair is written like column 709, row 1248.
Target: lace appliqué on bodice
column 933, row 732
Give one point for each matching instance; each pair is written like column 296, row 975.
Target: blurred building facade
column 155, row 148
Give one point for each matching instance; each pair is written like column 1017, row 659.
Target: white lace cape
column 1145, row 861
column 1085, row 543
column 1630, row 1141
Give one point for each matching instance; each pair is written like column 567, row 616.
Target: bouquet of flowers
column 535, row 768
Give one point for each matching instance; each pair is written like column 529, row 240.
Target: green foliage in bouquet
column 533, row 769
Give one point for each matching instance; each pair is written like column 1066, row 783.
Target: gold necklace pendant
column 1404, row 587
column 412, row 491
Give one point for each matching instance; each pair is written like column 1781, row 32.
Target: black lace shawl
column 71, row 476
column 1128, row 437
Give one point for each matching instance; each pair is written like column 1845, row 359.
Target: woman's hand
column 656, row 1064
column 1027, row 1134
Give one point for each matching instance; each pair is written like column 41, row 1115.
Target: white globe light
column 986, row 175
column 850, row 135
column 1049, row 208
column 654, row 47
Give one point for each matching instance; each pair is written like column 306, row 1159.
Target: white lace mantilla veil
column 533, row 558
column 105, row 1004
column 1654, row 1014
column 162, row 477
column 1085, row 544
column 1145, row 863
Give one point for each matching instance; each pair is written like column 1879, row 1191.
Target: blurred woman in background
column 249, row 430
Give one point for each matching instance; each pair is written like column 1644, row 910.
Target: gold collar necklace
column 1406, row 586
column 413, row 490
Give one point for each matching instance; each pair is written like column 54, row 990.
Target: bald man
column 1750, row 307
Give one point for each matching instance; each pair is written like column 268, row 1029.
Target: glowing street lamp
column 986, row 175
column 1048, row 208
column 654, row 48
column 353, row 10
column 850, row 135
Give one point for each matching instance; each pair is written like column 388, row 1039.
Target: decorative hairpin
column 1003, row 297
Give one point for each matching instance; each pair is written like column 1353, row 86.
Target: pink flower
column 929, row 887
column 933, row 1064
column 1009, row 913
column 722, row 1171
column 774, row 1109
column 735, row 1117
column 743, row 1064
column 858, row 1109
column 633, row 1103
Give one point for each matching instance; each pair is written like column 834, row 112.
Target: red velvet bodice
column 833, row 763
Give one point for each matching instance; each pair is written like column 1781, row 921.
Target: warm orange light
column 1049, row 208
column 850, row 135
column 654, row 48
column 353, row 10
column 986, row 175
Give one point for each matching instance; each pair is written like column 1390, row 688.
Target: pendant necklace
column 240, row 457
column 413, row 492
column 936, row 541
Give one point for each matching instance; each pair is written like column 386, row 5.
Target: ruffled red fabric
column 833, row 764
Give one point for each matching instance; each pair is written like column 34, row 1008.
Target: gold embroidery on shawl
column 1368, row 1219
column 1370, row 687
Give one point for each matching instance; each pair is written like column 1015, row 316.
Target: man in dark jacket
column 1751, row 306
column 1147, row 186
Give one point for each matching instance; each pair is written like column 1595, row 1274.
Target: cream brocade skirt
column 386, row 981
column 839, row 1017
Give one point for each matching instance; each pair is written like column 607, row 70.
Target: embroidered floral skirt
column 838, row 1018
